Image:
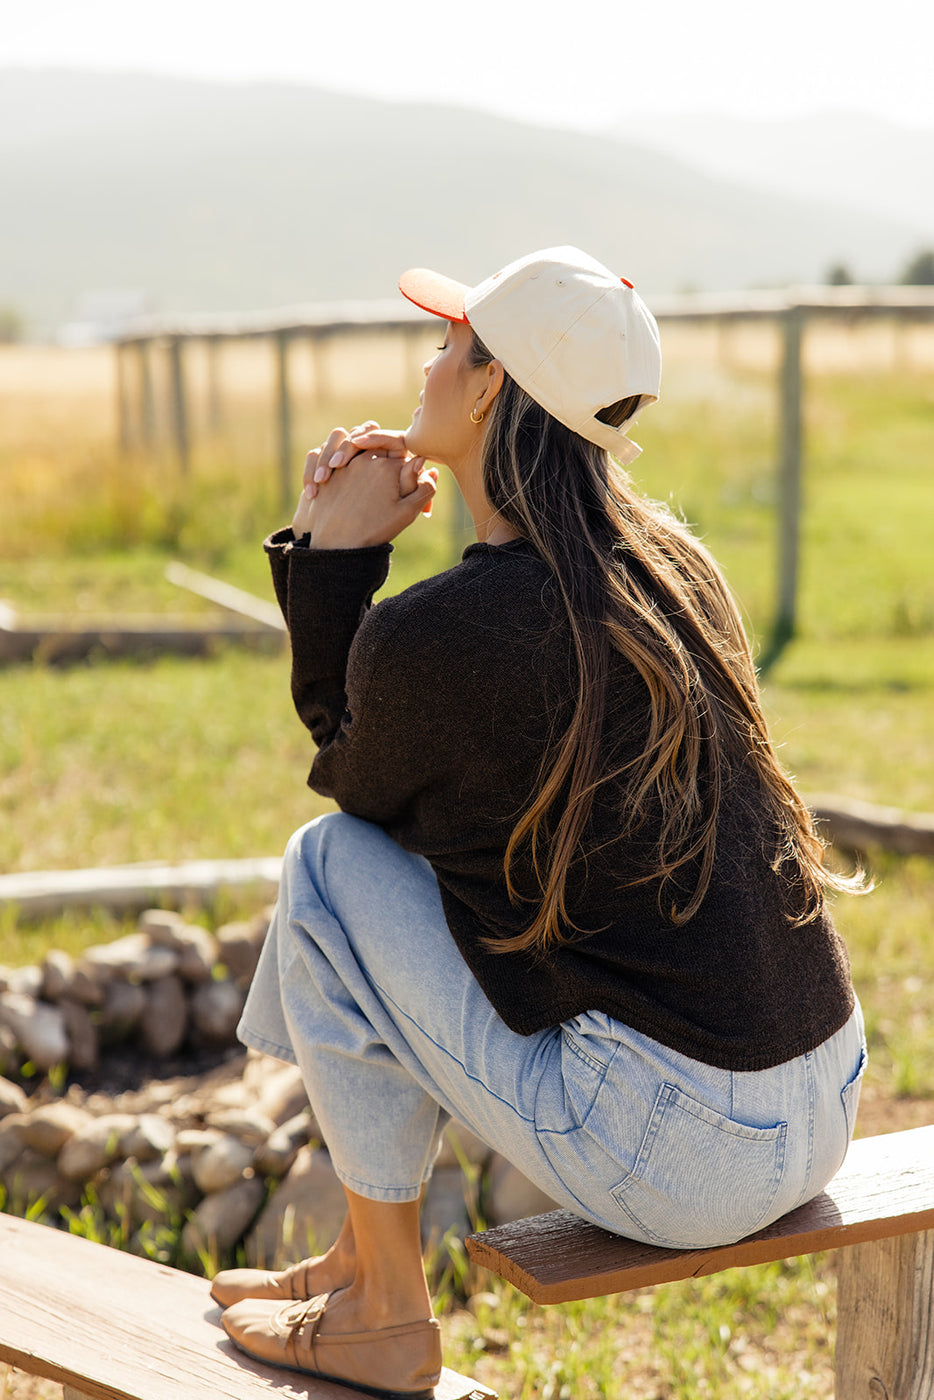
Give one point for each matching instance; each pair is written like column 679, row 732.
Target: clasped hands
column 362, row 488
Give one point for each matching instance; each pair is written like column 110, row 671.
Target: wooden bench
column 111, row 1326
column 878, row 1212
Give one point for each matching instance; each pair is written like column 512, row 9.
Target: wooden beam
column 226, row 595
column 885, row 1188
column 287, row 487
column 789, row 474
column 147, row 401
column 37, row 894
column 885, row 1320
column 124, row 430
column 179, row 405
column 858, row 826
column 116, row 1327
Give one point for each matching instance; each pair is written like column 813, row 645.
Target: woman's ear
column 494, row 382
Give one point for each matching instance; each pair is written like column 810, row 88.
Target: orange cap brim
column 442, row 296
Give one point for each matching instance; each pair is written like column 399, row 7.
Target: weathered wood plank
column 863, row 825
column 55, row 643
column 115, row 1327
column 885, row 1188
column 226, row 595
column 37, row 893
column 885, row 1320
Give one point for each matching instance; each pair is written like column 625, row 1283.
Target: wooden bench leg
column 69, row 1393
column 885, row 1319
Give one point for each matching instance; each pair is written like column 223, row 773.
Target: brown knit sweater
column 432, row 710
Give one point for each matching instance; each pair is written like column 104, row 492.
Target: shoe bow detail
column 301, row 1319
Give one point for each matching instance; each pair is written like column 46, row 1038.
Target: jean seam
column 474, row 1078
column 809, row 1075
column 590, row 1060
column 386, row 1193
column 247, row 1036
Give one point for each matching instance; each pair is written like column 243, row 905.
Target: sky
column 580, row 63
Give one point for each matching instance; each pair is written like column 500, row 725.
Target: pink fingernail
column 337, row 460
column 309, row 492
column 321, row 474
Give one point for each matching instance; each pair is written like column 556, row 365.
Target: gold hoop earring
column 476, row 420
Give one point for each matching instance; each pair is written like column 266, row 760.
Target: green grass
column 173, row 759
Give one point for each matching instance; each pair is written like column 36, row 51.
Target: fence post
column 123, row 398
column 147, row 415
column 282, row 339
column 215, row 406
column 179, row 407
column 789, row 477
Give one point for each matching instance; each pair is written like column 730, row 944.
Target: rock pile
column 230, row 1156
column 168, row 985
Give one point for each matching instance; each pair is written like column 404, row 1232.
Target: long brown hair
column 632, row 578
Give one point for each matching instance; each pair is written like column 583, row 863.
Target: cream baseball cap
column 570, row 333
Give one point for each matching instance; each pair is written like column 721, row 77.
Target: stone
column 304, row 1215
column 197, row 954
column 12, row 1142
column 220, row 1165
column 58, row 969
column 133, row 957
column 150, row 1138
column 239, row 946
column 189, row 1141
column 161, row 926
column 50, row 1126
column 279, row 1087
column 222, row 1219
column 87, row 986
column 83, row 1040
column 275, row 1156
column 32, row 1178
column 446, row 1206
column 510, row 1195
column 155, row 1193
column 12, row 1098
column 27, row 981
column 94, row 1146
column 9, row 1051
column 123, row 1006
column 164, row 1021
column 39, row 1028
column 216, row 1008
column 249, row 1125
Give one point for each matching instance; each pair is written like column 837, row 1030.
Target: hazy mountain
column 208, row 196
column 850, row 159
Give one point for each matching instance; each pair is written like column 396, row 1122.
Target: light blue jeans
column 361, row 985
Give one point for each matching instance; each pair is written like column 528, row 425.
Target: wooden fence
column 790, row 311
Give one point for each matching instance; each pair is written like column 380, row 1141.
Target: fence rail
column 790, row 310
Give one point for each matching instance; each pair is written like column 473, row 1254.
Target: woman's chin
column 414, row 440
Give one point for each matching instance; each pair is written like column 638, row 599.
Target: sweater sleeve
column 323, row 594
column 413, row 703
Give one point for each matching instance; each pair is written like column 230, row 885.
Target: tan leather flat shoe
column 395, row 1363
column 287, row 1285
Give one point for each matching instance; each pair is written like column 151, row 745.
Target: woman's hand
column 337, row 451
column 369, row 500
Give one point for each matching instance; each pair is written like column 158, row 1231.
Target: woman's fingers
column 389, row 441
column 342, row 447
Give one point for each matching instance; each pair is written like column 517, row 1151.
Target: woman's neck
column 498, row 531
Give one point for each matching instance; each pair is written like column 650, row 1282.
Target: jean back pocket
column 700, row 1178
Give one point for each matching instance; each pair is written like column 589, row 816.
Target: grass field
column 113, row 762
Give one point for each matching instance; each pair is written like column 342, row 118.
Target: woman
column 570, row 897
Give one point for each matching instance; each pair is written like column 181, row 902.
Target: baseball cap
column 573, row 335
